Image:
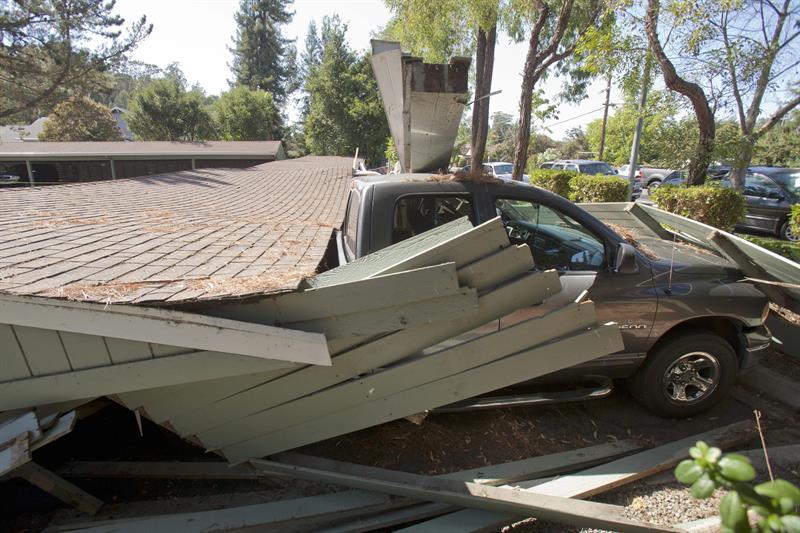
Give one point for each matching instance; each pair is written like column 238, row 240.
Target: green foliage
column 721, row 207
column 51, row 49
column 775, row 503
column 586, row 188
column 80, row 119
column 501, row 138
column 162, row 110
column 262, row 58
column 345, row 111
column 391, row 152
column 787, row 249
column 781, row 145
column 244, row 114
column 435, row 31
column 557, row 181
column 794, row 219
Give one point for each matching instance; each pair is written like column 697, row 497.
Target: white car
column 500, row 169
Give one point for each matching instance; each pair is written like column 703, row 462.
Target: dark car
column 769, row 192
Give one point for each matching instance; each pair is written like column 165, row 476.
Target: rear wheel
column 653, row 185
column 787, row 233
column 686, row 375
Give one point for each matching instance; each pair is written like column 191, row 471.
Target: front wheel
column 786, row 232
column 686, row 375
column 653, row 185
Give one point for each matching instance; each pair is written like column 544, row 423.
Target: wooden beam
column 156, row 470
column 22, row 423
column 62, row 426
column 507, row 371
column 14, row 454
column 161, row 326
column 496, row 268
column 144, row 374
column 600, row 478
column 456, row 241
column 530, row 289
column 645, row 218
column 58, row 487
column 519, row 503
column 404, row 376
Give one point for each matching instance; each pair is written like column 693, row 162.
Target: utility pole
column 639, row 123
column 605, row 120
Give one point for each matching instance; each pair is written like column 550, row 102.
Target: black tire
column 709, row 356
column 787, row 234
column 653, row 185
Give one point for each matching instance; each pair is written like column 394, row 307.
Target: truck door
column 559, row 241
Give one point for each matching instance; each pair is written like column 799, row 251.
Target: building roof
column 18, row 132
column 141, row 150
column 173, row 238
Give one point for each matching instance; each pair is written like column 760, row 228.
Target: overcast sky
column 197, row 33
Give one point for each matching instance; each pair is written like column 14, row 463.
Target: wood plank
column 389, row 519
column 22, row 424
column 456, row 241
column 161, row 371
column 156, row 470
column 63, row 425
column 472, row 495
column 85, row 351
column 14, row 365
column 598, row 479
column 519, row 367
column 43, row 350
column 636, row 211
column 530, row 289
column 133, row 323
column 14, row 454
column 127, row 351
column 773, row 384
column 353, row 297
column 405, row 316
column 402, row 377
column 497, row 268
column 58, row 487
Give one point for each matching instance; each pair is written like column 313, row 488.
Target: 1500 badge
column 632, row 326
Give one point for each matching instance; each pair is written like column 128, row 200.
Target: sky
column 196, row 34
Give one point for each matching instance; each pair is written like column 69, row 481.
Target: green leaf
column 688, row 471
column 774, row 522
column 791, row 523
column 736, row 468
column 703, row 487
column 779, row 489
column 733, row 513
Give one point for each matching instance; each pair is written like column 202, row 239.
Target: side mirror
column 625, row 262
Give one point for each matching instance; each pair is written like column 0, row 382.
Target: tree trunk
column 479, row 148
column 480, row 56
column 605, row 120
column 744, row 155
column 702, row 110
column 525, row 103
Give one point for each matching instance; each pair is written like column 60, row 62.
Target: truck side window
column 555, row 239
column 351, row 224
column 418, row 213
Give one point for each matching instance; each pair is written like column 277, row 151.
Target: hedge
column 556, row 181
column 586, row 188
column 580, row 187
column 721, row 207
column 789, row 250
column 794, row 219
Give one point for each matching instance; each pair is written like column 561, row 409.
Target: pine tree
column 262, row 57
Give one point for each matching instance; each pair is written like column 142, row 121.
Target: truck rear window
column 419, row 213
column 351, row 224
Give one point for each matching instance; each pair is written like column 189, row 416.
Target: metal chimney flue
column 423, row 102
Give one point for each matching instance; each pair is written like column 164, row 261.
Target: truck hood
column 687, row 260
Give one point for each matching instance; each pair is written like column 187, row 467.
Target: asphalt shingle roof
column 205, row 149
column 173, row 238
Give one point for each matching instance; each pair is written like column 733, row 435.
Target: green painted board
column 290, row 417
column 529, row 289
column 12, row 361
column 43, row 350
column 456, row 241
column 497, row 268
column 85, row 351
column 520, row 367
column 125, row 351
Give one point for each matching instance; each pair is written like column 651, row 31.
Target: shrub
column 789, row 250
column 556, row 181
column 794, row 218
column 717, row 206
column 587, row 188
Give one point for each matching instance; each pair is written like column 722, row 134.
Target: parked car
column 584, row 166
column 499, row 169
column 688, row 323
column 652, row 177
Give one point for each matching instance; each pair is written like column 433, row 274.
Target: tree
column 575, row 145
column 760, row 50
column 162, row 110
column 243, row 114
column 261, row 55
column 345, row 110
column 80, row 119
column 780, row 146
column 51, row 48
column 500, row 141
column 556, row 30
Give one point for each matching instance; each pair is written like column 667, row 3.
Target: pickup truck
column 689, row 325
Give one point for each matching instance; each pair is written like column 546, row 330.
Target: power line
column 578, row 116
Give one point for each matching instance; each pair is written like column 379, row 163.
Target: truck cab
column 688, row 324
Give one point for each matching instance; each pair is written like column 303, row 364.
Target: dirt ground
column 441, row 443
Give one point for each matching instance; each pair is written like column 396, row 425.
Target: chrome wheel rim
column 653, row 186
column 790, row 235
column 691, row 378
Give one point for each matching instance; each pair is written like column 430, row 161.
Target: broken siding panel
column 43, row 350
column 12, row 361
column 85, row 351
